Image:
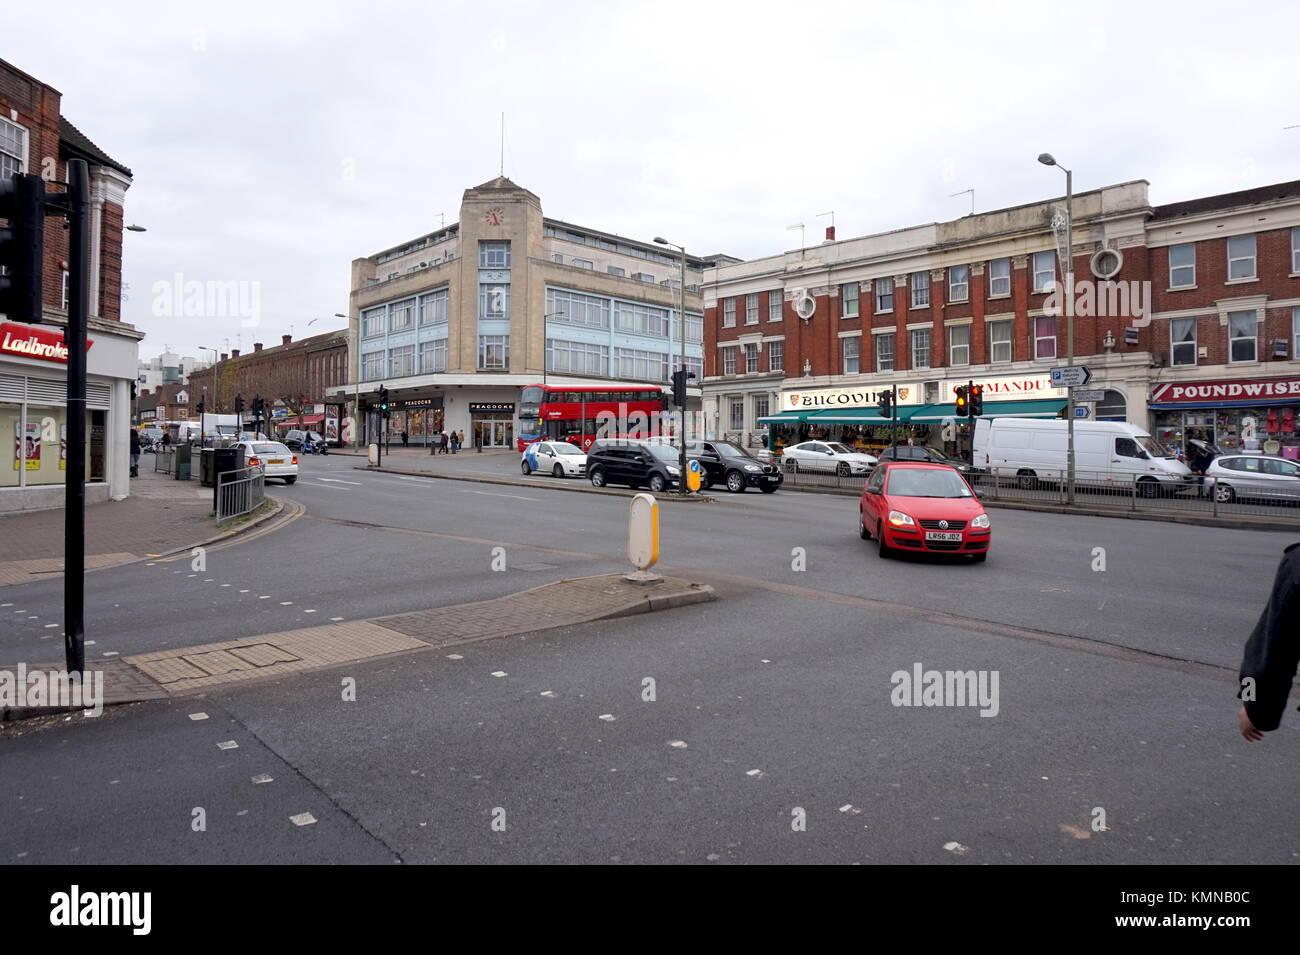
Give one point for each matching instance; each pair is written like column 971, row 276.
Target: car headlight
column 753, row 467
column 899, row 519
column 673, row 471
column 981, row 521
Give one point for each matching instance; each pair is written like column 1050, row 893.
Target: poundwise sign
column 818, row 399
column 1209, row 392
column 29, row 341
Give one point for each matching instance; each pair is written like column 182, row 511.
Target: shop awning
column 785, row 417
column 1045, row 408
column 859, row 415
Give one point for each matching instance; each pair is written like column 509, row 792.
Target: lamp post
column 1067, row 270
column 681, row 317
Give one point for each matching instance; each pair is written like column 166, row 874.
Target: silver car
column 1260, row 476
column 827, row 456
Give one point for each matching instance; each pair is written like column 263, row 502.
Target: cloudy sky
column 274, row 142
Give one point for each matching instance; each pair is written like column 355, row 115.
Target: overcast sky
column 274, row 142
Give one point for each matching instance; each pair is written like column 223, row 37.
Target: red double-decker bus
column 570, row 413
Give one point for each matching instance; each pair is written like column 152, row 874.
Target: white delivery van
column 1035, row 450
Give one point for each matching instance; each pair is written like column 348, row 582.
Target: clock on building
column 494, row 217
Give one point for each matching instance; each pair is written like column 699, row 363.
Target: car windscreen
column 270, row 449
column 838, row 448
column 926, row 482
column 1151, row 447
column 663, row 452
column 563, row 447
column 729, row 450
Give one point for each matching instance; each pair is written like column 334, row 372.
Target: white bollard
column 643, row 539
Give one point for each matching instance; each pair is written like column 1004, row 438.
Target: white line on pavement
column 341, row 481
column 518, row 497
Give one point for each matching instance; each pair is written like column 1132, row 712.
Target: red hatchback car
column 927, row 508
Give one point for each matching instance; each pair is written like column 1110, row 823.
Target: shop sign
column 1241, row 389
column 814, row 399
column 1014, row 388
column 414, row 403
column 29, row 341
column 479, row 406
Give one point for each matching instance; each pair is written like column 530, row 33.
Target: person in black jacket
column 1269, row 663
column 135, row 453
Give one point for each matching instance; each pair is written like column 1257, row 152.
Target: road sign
column 1082, row 412
column 1089, row 394
column 694, row 475
column 1071, row 376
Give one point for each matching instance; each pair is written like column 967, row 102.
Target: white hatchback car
column 558, row 458
column 274, row 458
column 827, row 456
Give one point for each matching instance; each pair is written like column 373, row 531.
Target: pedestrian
column 166, row 439
column 455, row 443
column 405, row 438
column 442, row 442
column 135, row 453
column 460, row 440
column 1268, row 664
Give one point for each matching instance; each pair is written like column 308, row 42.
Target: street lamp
column 1067, row 270
column 681, row 317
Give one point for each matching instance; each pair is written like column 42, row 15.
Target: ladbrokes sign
column 29, row 341
column 816, row 399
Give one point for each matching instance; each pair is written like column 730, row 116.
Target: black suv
column 733, row 467
column 632, row 463
column 910, row 452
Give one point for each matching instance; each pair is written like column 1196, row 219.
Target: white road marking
column 48, row 625
column 286, row 603
column 228, row 744
column 309, row 611
column 454, row 656
column 500, row 673
column 318, row 484
column 198, row 716
column 517, row 497
column 109, row 653
column 332, row 619
column 264, row 597
column 677, row 743
column 547, row 693
column 243, row 591
column 755, row 773
column 341, row 481
column 303, row 819
column 262, row 778
column 607, row 717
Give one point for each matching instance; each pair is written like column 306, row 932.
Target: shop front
column 850, row 416
column 34, row 416
column 421, row 418
column 1258, row 415
column 492, row 424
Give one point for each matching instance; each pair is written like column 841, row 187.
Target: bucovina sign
column 816, row 399
column 28, row 341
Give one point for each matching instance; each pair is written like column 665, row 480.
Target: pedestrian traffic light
column 886, row 399
column 679, row 387
column 963, row 405
column 22, row 203
column 976, row 400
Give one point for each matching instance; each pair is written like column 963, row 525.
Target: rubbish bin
column 181, row 462
column 223, row 460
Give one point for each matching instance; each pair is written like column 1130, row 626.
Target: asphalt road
column 780, row 692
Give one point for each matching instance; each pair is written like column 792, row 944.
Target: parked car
column 1034, row 450
column 294, row 438
column 911, row 452
column 732, row 467
column 275, row 459
column 633, row 463
column 558, row 458
column 925, row 508
column 827, row 456
column 1253, row 476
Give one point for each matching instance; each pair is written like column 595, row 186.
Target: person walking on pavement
column 1268, row 664
column 135, row 453
column 405, row 438
column 166, row 439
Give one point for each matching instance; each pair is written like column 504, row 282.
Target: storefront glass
column 38, row 445
column 1264, row 430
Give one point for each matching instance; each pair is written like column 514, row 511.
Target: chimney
column 285, row 339
column 257, row 346
column 224, row 356
column 234, row 353
column 830, row 233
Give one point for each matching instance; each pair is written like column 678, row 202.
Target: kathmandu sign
column 814, row 399
column 1200, row 392
column 1016, row 388
column 27, row 341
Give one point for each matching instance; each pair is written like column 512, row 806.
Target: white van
column 1111, row 451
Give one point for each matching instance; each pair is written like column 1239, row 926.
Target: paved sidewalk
column 161, row 515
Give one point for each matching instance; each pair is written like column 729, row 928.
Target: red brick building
column 1202, row 292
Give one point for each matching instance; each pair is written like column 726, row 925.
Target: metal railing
column 239, row 492
column 164, row 459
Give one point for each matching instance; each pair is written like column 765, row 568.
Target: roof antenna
column 971, row 190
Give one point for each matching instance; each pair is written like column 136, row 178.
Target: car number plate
column 942, row 536
column 276, row 461
column 771, row 477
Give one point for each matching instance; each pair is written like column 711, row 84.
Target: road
column 780, row 692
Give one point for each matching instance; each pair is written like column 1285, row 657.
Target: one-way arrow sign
column 1071, row 376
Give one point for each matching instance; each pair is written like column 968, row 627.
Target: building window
column 1241, row 257
column 920, row 289
column 641, row 365
column 729, row 360
column 776, row 353
column 372, row 365
column 401, row 315
column 849, row 300
column 493, row 352
column 958, row 283
column 1295, row 251
column 751, row 309
column 695, row 366
column 694, row 328
column 774, row 305
column 850, row 349
column 884, row 294
column 999, row 278
column 751, row 357
column 921, row 348
column 637, row 319
column 1182, row 341
column 760, row 407
column 13, row 148
column 574, row 308
column 1242, row 336
column 959, row 345
column 494, row 255
column 728, row 313
column 493, row 302
column 584, row 264
column 372, row 322
column 1182, row 266
column 884, row 352
column 999, row 341
column 1044, row 271
column 433, row 356
column 63, row 293
column 1295, row 333
column 557, row 259
column 615, row 270
column 433, row 308
column 736, row 414
column 579, row 358
column 1045, row 336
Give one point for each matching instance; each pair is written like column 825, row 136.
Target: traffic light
column 963, row 405
column 22, row 203
column 239, row 404
column 257, row 406
column 679, row 387
column 200, row 409
column 976, row 400
column 886, row 399
column 383, row 400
